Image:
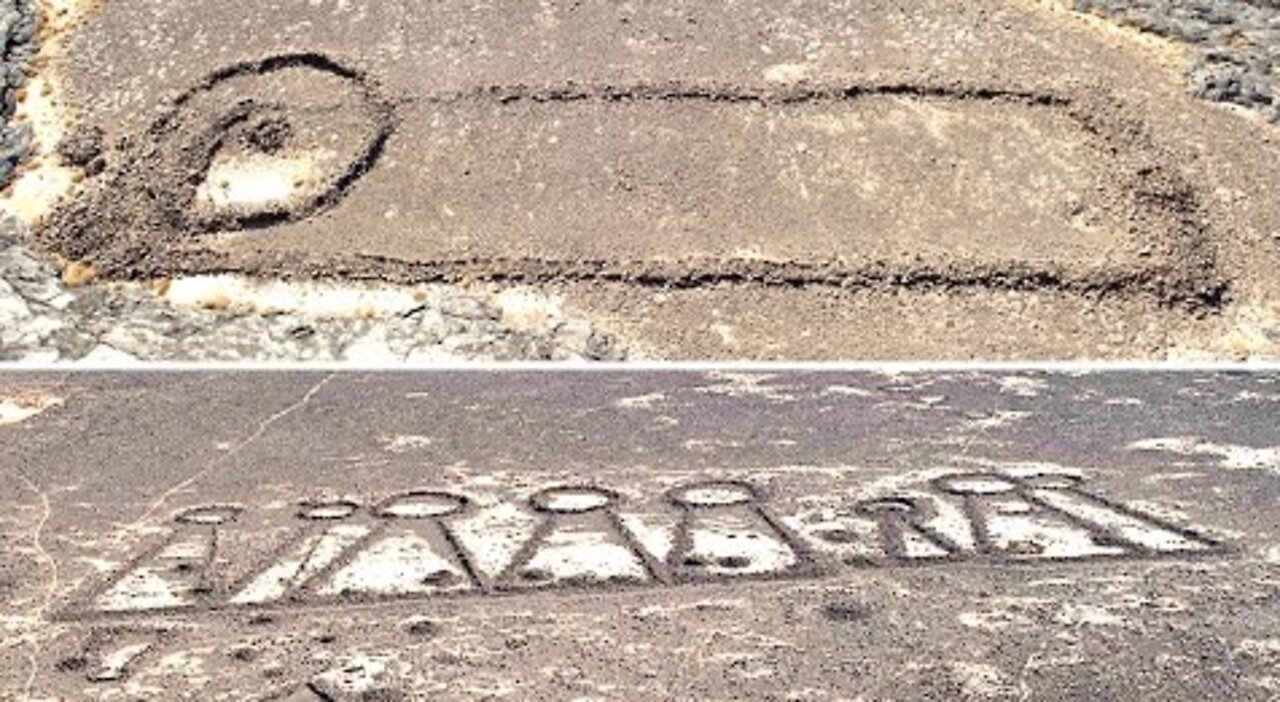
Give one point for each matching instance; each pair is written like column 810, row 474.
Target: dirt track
column 640, row 536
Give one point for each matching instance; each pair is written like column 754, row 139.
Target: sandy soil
column 780, row 171
column 639, row 536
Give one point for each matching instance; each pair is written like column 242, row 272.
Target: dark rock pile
column 1237, row 44
column 19, row 22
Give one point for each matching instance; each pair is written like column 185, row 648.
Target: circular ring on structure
column 209, row 515
column 325, row 510
column 1053, row 481
column 713, row 493
column 269, row 141
column 975, row 484
column 892, row 505
column 422, row 504
column 572, row 499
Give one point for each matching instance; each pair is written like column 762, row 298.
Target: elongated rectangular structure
column 403, row 532
column 574, row 150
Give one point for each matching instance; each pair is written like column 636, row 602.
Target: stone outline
column 892, row 515
column 1156, row 206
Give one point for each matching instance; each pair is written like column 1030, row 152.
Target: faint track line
column 214, row 463
column 37, row 535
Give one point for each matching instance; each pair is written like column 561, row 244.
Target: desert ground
column 408, row 181
column 660, row 535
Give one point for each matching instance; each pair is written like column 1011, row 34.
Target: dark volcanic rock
column 1237, row 43
column 18, row 24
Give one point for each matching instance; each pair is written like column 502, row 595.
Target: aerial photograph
column 361, row 350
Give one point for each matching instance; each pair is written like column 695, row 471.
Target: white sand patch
column 337, row 510
column 323, row 300
column 995, row 620
column 948, row 520
column 528, row 308
column 569, row 500
column 1022, row 386
column 981, row 484
column 724, row 331
column 100, row 565
column 707, row 605
column 494, row 535
column 710, row 496
column 20, row 408
column 105, row 355
column 1247, row 331
column 141, row 590
column 856, row 538
column 209, row 517
column 926, row 403
column 361, row 300
column 115, row 663
column 1154, row 603
column 980, row 679
column 486, row 691
column 33, row 192
column 656, row 538
column 400, row 564
column 733, row 545
column 787, row 72
column 916, row 546
column 1172, row 477
column 1266, row 682
column 250, row 181
column 744, row 667
column 710, row 445
column 355, row 675
column 746, row 385
column 1260, row 648
column 402, row 443
column 644, row 402
column 586, row 555
column 1139, row 531
column 182, row 551
column 1251, row 396
column 849, row 390
column 996, row 420
column 312, row 556
column 167, row 579
column 1076, row 614
column 1028, row 534
column 1234, row 456
column 1185, row 445
column 187, row 664
column 422, row 506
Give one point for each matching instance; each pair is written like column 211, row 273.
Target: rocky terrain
column 1236, row 44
